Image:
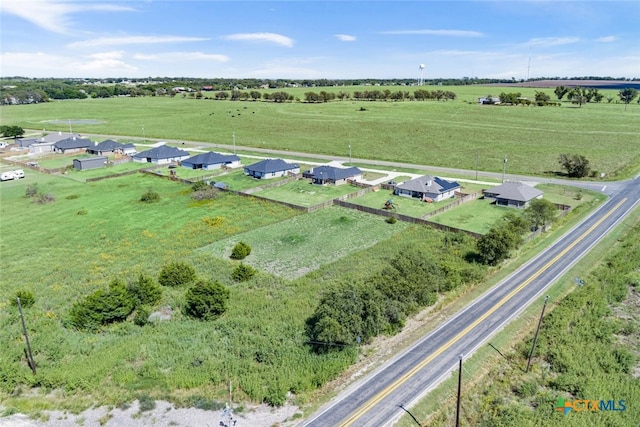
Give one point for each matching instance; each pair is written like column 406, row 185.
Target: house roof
column 333, row 173
column 91, row 159
column 73, row 142
column 211, row 158
column 515, row 191
column 162, row 152
column 107, row 145
column 271, row 165
column 429, row 184
column 57, row 136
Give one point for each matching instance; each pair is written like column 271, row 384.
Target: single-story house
column 211, row 160
column 72, row 145
column 322, row 175
column 108, row 146
column 45, row 143
column 89, row 163
column 513, row 194
column 127, row 149
column 270, row 168
column 161, row 155
column 427, row 188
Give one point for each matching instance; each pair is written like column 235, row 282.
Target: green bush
column 392, row 220
column 32, row 190
column 150, row 196
column 240, row 251
column 243, row 272
column 199, row 185
column 145, row 290
column 102, row 307
column 27, row 299
column 141, row 316
column 176, row 274
column 206, row 300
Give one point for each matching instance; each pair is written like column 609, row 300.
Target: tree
column 542, row 98
column 145, row 290
column 495, row 246
column 11, row 131
column 176, row 274
column 540, row 213
column 577, row 166
column 560, row 92
column 206, row 300
column 577, row 95
column 626, row 95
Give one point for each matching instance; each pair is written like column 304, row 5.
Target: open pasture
column 303, row 193
column 302, row 244
column 457, row 134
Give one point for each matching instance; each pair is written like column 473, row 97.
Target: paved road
column 376, row 400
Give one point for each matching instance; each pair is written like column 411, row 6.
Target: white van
column 18, row 173
column 7, row 176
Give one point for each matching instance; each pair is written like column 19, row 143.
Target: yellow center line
column 397, row 383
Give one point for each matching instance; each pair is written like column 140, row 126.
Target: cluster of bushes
column 150, row 196
column 34, row 193
column 204, row 300
column 204, row 191
column 413, row 279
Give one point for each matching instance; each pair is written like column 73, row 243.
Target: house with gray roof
column 427, row 188
column 322, row 175
column 44, row 144
column 161, row 155
column 72, row 145
column 271, row 168
column 211, row 160
column 513, row 194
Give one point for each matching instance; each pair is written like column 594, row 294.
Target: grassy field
column 302, row 244
column 304, row 193
column 457, row 134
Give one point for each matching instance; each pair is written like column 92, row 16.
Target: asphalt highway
column 378, row 399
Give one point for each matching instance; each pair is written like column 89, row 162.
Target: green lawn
column 461, row 132
column 304, row 193
column 302, row 244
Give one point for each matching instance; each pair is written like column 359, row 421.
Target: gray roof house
column 161, row 155
column 211, row 160
column 104, row 147
column 72, row 145
column 45, row 143
column 270, row 168
column 513, row 194
column 427, row 188
column 90, row 163
column 332, row 175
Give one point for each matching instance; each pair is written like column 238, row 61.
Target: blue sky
column 308, row 39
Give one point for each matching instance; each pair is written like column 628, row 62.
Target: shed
column 90, row 163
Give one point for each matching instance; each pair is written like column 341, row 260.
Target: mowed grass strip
column 304, row 193
column 302, row 244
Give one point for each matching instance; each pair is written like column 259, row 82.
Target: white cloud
column 345, row 37
column 181, row 56
column 551, row 41
column 607, row 39
column 128, row 40
column 104, row 61
column 265, row 37
column 447, row 33
column 52, row 15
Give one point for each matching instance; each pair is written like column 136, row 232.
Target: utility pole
column 349, row 153
column 504, row 167
column 535, row 338
column 32, row 363
column 144, row 134
column 233, row 136
column 459, row 392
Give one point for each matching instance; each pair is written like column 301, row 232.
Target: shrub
column 32, row 190
column 141, row 317
column 392, row 220
column 199, row 185
column 243, row 272
column 102, row 307
column 146, row 291
column 43, row 198
column 176, row 274
column 27, row 299
column 150, row 196
column 240, row 251
column 206, row 300
column 206, row 194
column 82, row 212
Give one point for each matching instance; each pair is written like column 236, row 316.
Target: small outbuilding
column 271, row 168
column 90, row 163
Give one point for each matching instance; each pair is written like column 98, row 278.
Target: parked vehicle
column 18, row 173
column 7, row 176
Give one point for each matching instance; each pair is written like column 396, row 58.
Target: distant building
column 513, row 194
column 90, row 163
column 427, row 188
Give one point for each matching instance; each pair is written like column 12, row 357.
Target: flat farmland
column 304, row 243
column 457, row 134
column 303, row 193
